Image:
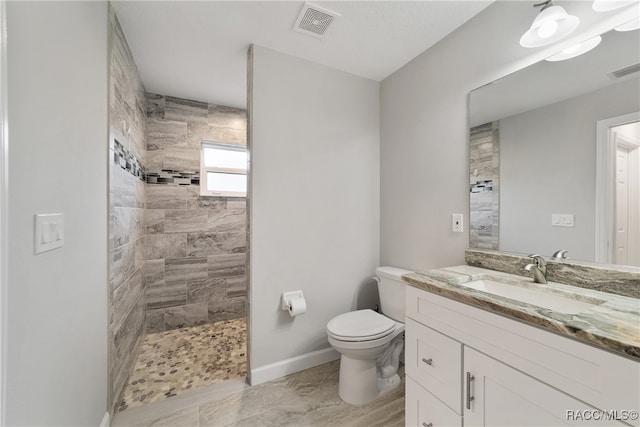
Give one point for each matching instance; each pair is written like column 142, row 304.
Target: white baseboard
column 295, row 364
column 105, row 420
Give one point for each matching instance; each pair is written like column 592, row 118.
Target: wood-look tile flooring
column 176, row 361
column 306, row 398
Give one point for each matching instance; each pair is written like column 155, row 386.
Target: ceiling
column 197, row 50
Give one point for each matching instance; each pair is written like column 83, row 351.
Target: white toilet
column 370, row 343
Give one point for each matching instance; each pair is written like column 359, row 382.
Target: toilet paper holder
column 287, row 297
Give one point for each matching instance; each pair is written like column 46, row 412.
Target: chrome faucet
column 561, row 254
column 538, row 268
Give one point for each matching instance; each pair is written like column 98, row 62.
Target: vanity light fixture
column 576, row 50
column 553, row 23
column 607, row 5
column 634, row 24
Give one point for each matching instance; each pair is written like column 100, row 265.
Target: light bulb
column 550, row 25
column 547, row 29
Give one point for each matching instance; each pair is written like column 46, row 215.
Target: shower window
column 223, row 170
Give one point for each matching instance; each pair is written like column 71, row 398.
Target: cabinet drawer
column 422, row 409
column 434, row 361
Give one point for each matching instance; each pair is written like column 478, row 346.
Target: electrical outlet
column 562, row 220
column 456, row 223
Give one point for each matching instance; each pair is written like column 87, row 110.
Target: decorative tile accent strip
column 133, row 165
column 173, row 177
column 481, row 186
column 127, row 161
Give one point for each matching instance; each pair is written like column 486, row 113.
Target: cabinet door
column 499, row 395
column 422, row 409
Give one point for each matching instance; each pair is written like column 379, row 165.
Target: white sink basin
column 540, row 297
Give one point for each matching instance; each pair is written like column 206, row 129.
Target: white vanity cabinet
column 470, row 367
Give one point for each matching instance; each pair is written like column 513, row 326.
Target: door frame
column 605, row 155
column 4, row 187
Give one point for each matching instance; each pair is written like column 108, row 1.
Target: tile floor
column 174, row 362
column 306, row 398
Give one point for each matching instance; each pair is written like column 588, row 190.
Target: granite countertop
column 613, row 324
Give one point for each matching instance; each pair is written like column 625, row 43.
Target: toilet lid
column 360, row 325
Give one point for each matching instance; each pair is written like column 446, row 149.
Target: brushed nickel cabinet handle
column 428, row 361
column 470, row 378
column 427, row 425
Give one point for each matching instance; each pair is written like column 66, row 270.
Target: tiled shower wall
column 176, row 259
column 195, row 246
column 126, row 211
column 484, row 198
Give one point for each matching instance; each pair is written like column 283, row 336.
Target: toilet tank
column 391, row 290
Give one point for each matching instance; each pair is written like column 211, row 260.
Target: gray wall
column 196, row 246
column 126, row 211
column 57, row 301
column 315, row 199
column 548, row 166
column 424, row 133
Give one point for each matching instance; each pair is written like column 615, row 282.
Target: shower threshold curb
column 182, row 401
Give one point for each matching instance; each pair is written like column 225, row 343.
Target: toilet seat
column 361, row 325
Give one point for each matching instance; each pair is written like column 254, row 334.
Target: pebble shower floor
column 180, row 360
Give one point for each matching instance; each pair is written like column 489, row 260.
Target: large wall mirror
column 555, row 157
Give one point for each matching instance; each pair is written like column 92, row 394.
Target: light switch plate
column 49, row 232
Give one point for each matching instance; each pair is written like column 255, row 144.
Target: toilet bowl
column 370, row 343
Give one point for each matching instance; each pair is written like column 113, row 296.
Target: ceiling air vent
column 314, row 20
column 618, row 74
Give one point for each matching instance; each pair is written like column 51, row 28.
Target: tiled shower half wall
column 176, row 259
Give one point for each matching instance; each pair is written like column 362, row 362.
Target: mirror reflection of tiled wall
column 484, row 188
